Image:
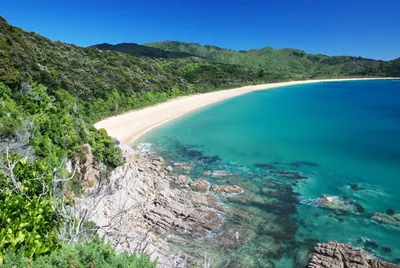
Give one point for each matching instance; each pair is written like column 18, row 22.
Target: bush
column 94, row 253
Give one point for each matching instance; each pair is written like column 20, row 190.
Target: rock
column 187, row 169
column 157, row 163
column 390, row 212
column 216, row 173
column 386, row 218
column 116, row 141
column 169, row 169
column 294, row 175
column 87, row 170
column 139, row 203
column 234, row 235
column 179, row 164
column 336, row 255
column 182, row 179
column 219, row 173
column 83, row 155
column 226, row 189
column 355, row 187
column 265, row 165
column 371, row 244
column 339, row 203
column 199, row 185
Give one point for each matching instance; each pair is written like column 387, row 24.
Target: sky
column 366, row 28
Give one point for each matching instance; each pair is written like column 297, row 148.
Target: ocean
column 288, row 147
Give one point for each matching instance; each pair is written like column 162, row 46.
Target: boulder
column 182, row 179
column 199, row 185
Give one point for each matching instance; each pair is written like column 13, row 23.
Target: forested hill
column 140, row 50
column 286, row 60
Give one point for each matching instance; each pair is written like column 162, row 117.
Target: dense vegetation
column 52, row 92
column 92, row 253
column 142, row 51
column 291, row 61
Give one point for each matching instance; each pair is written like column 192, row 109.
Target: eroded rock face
column 87, row 170
column 337, row 255
column 142, row 204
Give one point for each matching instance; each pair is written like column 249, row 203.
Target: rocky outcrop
column 143, row 205
column 87, row 170
column 199, row 185
column 339, row 203
column 336, row 255
column 393, row 219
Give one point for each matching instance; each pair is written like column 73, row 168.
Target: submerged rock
column 298, row 164
column 216, row 173
column 265, row 165
column 337, row 255
column 180, row 164
column 226, row 189
column 355, row 187
column 295, row 175
column 393, row 219
column 339, row 203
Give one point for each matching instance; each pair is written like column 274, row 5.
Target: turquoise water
column 333, row 133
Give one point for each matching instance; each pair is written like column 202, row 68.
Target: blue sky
column 335, row 27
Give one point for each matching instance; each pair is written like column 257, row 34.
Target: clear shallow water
column 334, row 133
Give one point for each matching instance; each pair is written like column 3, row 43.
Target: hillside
column 91, row 73
column 284, row 60
column 140, row 50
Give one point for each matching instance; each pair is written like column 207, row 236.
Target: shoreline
column 131, row 125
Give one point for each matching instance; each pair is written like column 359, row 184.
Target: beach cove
column 129, row 126
column 310, row 172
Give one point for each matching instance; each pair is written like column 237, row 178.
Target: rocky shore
column 148, row 206
column 143, row 206
column 337, row 255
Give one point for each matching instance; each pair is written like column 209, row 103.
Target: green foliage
column 295, row 63
column 27, row 217
column 139, row 50
column 93, row 253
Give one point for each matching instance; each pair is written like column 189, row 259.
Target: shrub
column 94, row 253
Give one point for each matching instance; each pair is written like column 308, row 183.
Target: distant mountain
column 140, row 50
column 285, row 60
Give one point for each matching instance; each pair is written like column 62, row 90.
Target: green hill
column 288, row 60
column 139, row 50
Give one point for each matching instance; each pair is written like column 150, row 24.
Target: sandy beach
column 129, row 126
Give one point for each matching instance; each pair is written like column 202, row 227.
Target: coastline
column 129, row 126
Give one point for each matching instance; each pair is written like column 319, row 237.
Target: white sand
column 129, row 126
